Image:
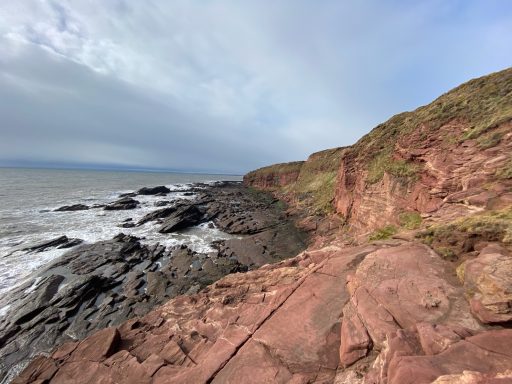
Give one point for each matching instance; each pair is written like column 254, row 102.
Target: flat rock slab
column 283, row 323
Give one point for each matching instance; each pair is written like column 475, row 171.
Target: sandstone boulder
column 488, row 284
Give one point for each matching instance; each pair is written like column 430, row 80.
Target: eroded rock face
column 278, row 175
column 488, row 284
column 452, row 183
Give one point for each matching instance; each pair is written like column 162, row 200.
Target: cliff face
column 274, row 176
column 442, row 161
column 308, row 185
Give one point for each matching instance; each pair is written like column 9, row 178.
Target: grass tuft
column 410, row 220
column 383, row 233
column 384, row 163
column 505, row 172
column 490, row 139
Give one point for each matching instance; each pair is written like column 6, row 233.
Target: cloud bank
column 227, row 85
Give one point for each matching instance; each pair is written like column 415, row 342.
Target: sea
column 28, row 198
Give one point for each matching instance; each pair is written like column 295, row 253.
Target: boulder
column 74, row 207
column 488, row 284
column 121, row 204
column 44, row 245
column 153, row 190
column 181, row 218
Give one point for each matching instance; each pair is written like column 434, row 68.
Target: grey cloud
column 226, row 85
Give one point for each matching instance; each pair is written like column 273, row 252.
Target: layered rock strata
column 336, row 315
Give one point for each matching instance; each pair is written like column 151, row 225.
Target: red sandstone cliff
column 432, row 305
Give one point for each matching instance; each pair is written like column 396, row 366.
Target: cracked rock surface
column 363, row 314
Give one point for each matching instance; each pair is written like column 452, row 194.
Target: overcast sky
column 226, row 85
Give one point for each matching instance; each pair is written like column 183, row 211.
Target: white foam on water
column 4, row 310
column 94, row 225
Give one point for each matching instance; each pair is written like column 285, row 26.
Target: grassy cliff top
column 293, row 166
column 480, row 104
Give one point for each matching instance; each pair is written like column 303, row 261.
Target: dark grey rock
column 122, row 204
column 153, row 190
column 74, row 207
column 182, row 218
column 44, row 245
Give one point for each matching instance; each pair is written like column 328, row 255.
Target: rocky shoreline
column 103, row 284
column 407, row 277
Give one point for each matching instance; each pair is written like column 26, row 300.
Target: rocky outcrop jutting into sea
column 102, row 284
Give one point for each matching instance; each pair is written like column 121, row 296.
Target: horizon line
column 144, row 170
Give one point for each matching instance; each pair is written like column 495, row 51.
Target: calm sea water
column 29, row 196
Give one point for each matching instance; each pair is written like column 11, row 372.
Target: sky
column 226, row 86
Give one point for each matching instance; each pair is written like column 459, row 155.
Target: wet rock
column 153, row 190
column 74, row 207
column 182, row 218
column 111, row 281
column 122, row 204
column 271, row 245
column 157, row 284
column 126, row 225
column 44, row 291
column 128, row 194
column 44, row 245
column 278, row 324
column 162, row 203
column 69, row 298
column 157, row 214
column 70, row 243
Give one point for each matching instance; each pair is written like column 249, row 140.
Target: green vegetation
column 446, row 253
column 316, row 183
column 272, row 173
column 311, row 184
column 383, row 233
column 460, row 235
column 505, row 172
column 481, row 104
column 490, row 139
column 410, row 220
column 385, row 163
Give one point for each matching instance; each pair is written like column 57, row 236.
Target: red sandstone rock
column 488, row 284
column 471, row 354
column 435, row 338
column 459, row 177
column 96, row 347
column 295, row 322
column 355, row 342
